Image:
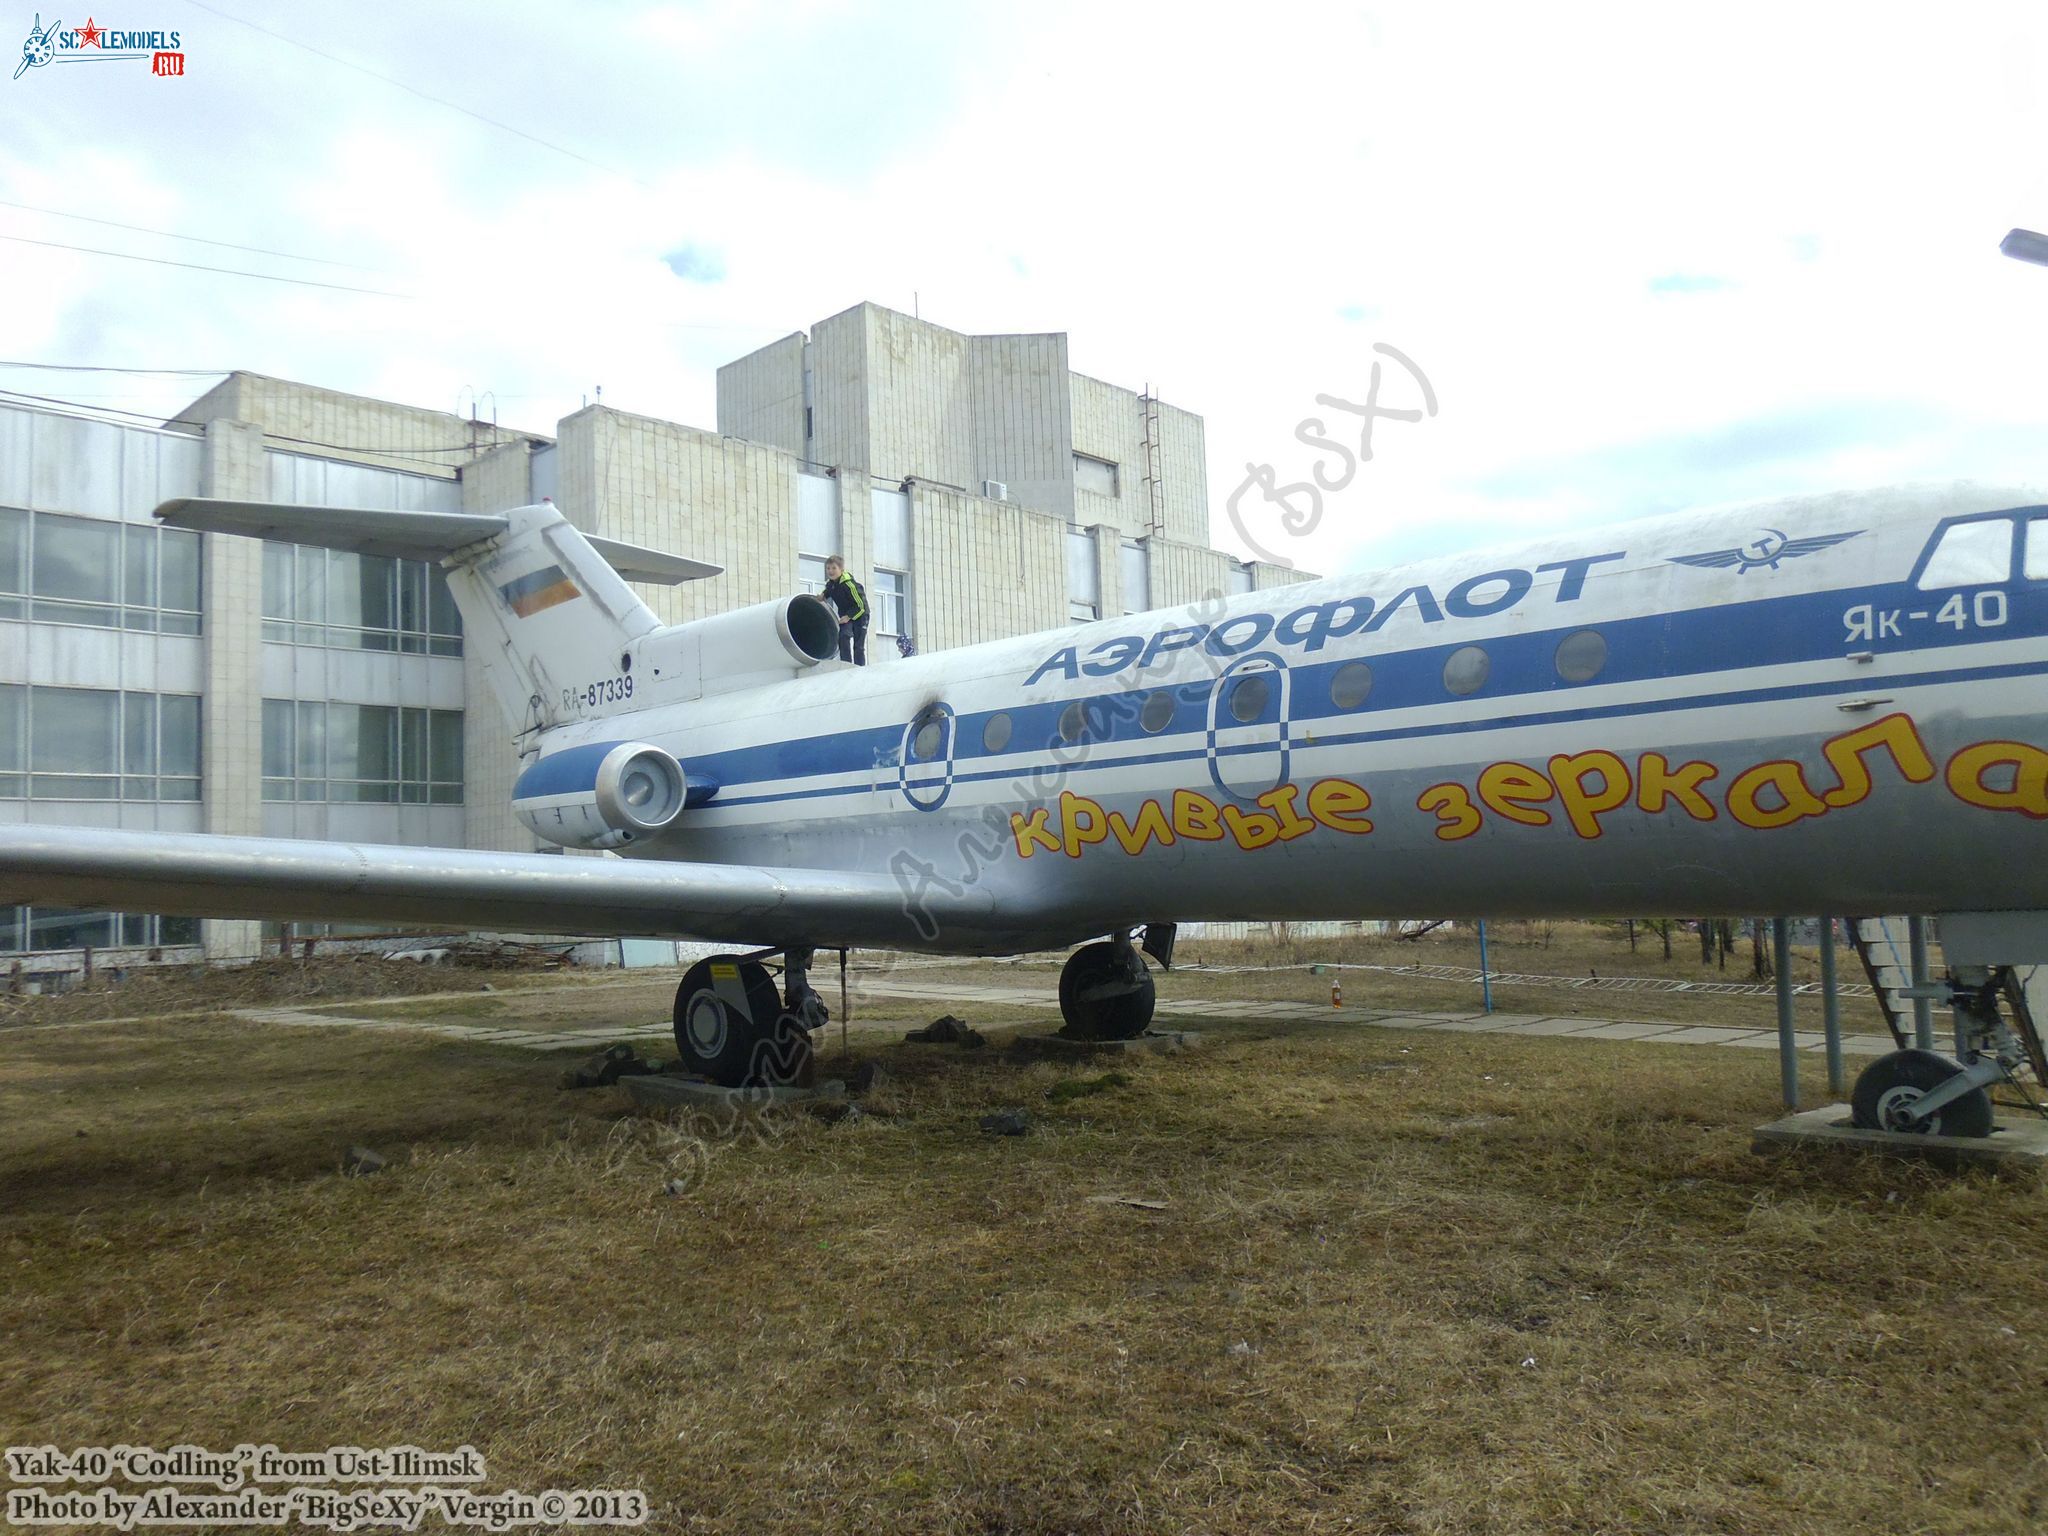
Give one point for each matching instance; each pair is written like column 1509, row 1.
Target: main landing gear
column 1106, row 992
column 733, row 1028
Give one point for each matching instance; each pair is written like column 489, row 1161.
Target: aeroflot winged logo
column 529, row 594
column 1764, row 553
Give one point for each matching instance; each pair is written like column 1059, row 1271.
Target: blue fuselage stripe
column 1731, row 638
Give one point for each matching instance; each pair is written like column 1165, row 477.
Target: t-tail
column 546, row 608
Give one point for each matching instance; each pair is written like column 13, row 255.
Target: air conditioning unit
column 995, row 490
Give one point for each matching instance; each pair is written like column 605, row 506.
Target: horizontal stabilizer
column 635, row 562
column 401, row 535
column 359, row 530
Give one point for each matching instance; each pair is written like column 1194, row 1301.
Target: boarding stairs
column 1884, row 945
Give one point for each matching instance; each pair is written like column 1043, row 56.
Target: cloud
column 694, row 264
column 1237, row 224
column 1688, row 282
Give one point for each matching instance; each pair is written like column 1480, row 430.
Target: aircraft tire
column 738, row 1045
column 1104, row 996
column 1893, row 1082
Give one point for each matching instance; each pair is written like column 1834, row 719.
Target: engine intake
column 602, row 795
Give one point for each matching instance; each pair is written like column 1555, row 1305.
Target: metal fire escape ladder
column 1881, row 945
column 1155, row 481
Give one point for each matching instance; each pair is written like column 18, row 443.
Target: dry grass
column 899, row 1324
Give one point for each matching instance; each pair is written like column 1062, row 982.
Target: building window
column 817, row 528
column 1136, row 573
column 87, row 570
column 1237, row 578
column 889, row 600
column 357, row 602
column 98, row 744
column 1096, row 476
column 361, row 753
column 27, row 929
column 1084, row 577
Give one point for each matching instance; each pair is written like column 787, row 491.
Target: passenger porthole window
column 1466, row 670
column 1248, row 698
column 1157, row 714
column 1073, row 722
column 1351, row 685
column 928, row 738
column 1580, row 656
column 996, row 734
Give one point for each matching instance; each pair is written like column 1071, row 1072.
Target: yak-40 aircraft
column 1834, row 704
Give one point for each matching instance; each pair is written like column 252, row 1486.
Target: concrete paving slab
column 1625, row 1031
column 666, row 1092
column 1705, row 1034
column 1801, row 1039
column 2017, row 1143
column 1410, row 1021
column 1551, row 1026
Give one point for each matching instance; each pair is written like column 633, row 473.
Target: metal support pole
column 1788, row 1046
column 1923, row 1006
column 1485, row 970
column 844, row 1006
column 1831, row 1004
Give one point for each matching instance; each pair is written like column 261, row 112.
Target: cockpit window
column 1970, row 555
column 2037, row 549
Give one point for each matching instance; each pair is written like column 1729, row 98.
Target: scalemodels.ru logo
column 93, row 43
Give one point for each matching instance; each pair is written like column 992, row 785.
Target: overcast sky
column 1647, row 257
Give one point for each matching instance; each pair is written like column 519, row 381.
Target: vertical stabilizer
column 549, row 620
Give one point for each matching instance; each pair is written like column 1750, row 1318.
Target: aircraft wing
column 205, row 875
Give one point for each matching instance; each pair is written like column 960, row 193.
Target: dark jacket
column 846, row 595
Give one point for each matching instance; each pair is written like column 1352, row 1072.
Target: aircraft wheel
column 730, row 1026
column 1105, row 994
column 1890, row 1085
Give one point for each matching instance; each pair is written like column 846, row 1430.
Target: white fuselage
column 1703, row 714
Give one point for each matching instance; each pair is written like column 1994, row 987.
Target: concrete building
column 153, row 678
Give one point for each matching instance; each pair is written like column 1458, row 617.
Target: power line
column 169, row 234
column 106, row 368
column 506, row 434
column 193, row 266
column 413, row 90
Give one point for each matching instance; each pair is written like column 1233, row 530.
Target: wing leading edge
column 205, row 875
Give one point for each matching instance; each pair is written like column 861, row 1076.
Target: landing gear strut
column 1928, row 1094
column 1106, row 992
column 732, row 1027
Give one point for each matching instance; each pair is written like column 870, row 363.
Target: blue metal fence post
column 1485, row 970
column 1788, row 1045
column 1831, row 1005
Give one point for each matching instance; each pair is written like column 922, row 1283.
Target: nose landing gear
column 1928, row 1094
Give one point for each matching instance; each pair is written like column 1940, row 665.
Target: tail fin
column 545, row 607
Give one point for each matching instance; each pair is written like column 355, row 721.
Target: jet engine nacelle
column 765, row 643
column 602, row 795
